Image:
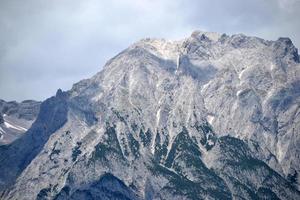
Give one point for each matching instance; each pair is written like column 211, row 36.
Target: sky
column 51, row 44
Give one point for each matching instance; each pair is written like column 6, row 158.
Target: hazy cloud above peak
column 46, row 45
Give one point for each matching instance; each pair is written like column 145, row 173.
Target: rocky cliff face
column 208, row 117
column 16, row 118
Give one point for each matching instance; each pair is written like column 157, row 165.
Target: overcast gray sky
column 51, row 44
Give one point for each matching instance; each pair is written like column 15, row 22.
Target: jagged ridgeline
column 208, row 117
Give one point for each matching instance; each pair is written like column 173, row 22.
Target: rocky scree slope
column 208, row 117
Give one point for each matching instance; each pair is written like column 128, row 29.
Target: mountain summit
column 211, row 116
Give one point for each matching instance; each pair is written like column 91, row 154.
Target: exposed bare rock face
column 208, row 117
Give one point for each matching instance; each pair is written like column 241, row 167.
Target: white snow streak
column 210, row 118
column 16, row 127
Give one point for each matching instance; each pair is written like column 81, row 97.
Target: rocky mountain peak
column 211, row 116
column 16, row 118
column 1, row 118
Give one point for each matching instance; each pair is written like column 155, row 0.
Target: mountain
column 16, row 118
column 208, row 117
